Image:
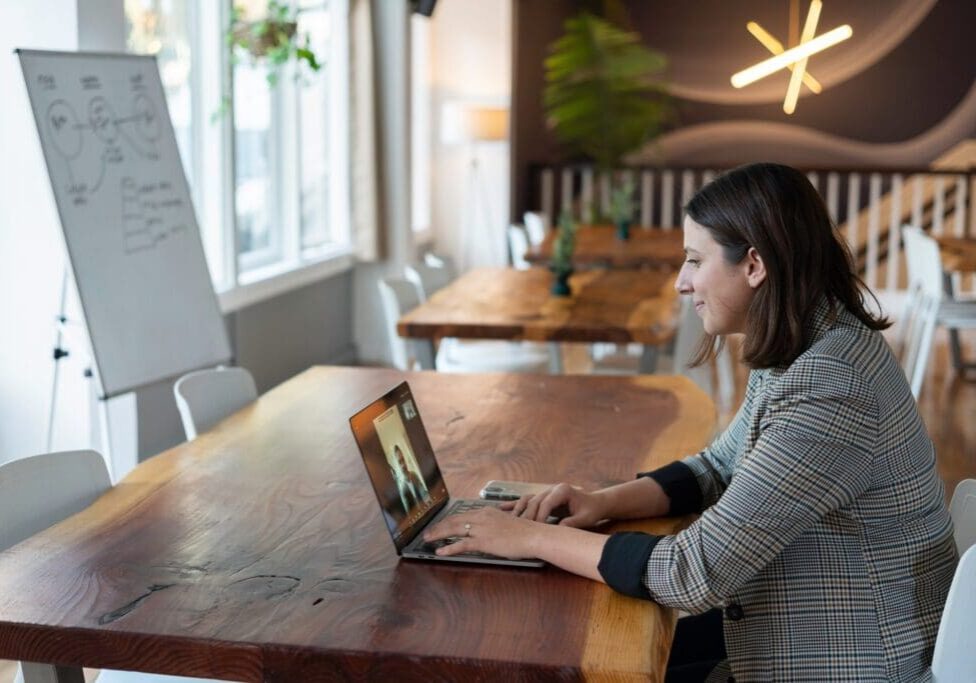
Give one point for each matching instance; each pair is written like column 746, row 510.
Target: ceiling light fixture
column 795, row 58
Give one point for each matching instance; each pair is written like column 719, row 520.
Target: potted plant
column 622, row 208
column 562, row 254
column 272, row 39
column 603, row 96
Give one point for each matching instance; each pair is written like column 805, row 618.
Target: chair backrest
column 41, row 490
column 206, row 397
column 922, row 310
column 435, row 260
column 428, row 278
column 962, row 508
column 954, row 658
column 518, row 245
column 686, row 340
column 536, row 226
column 398, row 296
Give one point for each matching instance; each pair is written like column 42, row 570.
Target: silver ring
column 467, row 530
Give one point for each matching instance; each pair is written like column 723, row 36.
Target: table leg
column 648, row 360
column 555, row 358
column 423, row 352
column 955, row 347
column 49, row 673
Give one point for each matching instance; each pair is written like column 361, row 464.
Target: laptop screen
column 400, row 462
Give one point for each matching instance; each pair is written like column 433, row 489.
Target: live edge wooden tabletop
column 257, row 551
column 618, row 306
column 598, row 245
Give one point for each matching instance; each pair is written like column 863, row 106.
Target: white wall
column 471, row 55
column 32, row 255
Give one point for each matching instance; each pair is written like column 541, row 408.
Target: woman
column 823, row 535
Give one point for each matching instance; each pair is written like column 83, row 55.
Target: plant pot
column 277, row 33
column 623, row 230
column 560, row 282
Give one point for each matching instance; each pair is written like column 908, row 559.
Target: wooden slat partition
column 869, row 206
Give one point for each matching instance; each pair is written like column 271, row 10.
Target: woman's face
column 720, row 291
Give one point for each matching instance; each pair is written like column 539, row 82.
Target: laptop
column 404, row 473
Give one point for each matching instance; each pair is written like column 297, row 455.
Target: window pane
column 163, row 29
column 257, row 243
column 313, row 116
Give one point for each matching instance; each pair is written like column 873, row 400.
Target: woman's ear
column 755, row 268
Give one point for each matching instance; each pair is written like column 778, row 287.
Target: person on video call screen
column 412, row 488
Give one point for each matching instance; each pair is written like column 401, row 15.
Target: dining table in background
column 257, row 551
column 599, row 246
column 606, row 305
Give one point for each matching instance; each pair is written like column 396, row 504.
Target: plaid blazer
column 824, row 533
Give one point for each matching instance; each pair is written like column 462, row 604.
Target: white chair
column 687, row 336
column 206, row 397
column 954, row 657
column 400, row 296
column 40, row 491
column 428, row 278
column 536, row 226
column 518, row 246
column 928, row 306
column 962, row 508
column 435, row 260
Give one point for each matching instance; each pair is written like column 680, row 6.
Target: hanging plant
column 602, row 97
column 273, row 39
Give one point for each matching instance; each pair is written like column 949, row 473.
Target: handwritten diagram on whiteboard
column 125, row 210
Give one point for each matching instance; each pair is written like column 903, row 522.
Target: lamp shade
column 486, row 124
column 470, row 123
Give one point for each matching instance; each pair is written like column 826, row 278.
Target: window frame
column 244, row 279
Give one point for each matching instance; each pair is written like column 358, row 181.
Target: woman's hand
column 488, row 530
column 576, row 507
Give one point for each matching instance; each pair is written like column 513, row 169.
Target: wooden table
column 958, row 253
column 257, row 552
column 618, row 306
column 598, row 245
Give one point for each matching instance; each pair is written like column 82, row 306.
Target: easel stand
column 99, row 404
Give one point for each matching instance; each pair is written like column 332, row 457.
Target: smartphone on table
column 510, row 490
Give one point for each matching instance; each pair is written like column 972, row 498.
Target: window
column 269, row 168
column 163, row 29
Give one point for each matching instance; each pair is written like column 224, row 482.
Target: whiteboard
column 129, row 227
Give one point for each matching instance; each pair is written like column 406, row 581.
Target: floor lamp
column 479, row 125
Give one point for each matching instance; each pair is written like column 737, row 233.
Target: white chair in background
column 435, row 260
column 686, row 339
column 954, row 657
column 428, row 278
column 928, row 306
column 206, row 397
column 40, row 491
column 962, row 509
column 518, row 246
column 400, row 295
column 536, row 226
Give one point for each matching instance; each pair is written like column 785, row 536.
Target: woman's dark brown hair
column 775, row 209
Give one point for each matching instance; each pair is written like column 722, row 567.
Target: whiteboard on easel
column 128, row 221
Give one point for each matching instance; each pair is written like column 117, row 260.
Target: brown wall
column 870, row 117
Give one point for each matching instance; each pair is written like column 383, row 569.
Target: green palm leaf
column 602, row 97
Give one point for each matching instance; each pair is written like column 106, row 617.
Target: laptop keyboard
column 456, row 507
